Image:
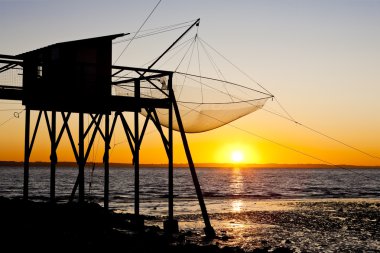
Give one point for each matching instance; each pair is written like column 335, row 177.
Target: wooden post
column 26, row 154
column 171, row 225
column 81, row 163
column 136, row 158
column 170, row 154
column 209, row 230
column 106, row 161
column 53, row 156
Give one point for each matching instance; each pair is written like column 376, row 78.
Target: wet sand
column 287, row 226
column 328, row 225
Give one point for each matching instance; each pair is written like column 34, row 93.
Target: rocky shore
column 36, row 226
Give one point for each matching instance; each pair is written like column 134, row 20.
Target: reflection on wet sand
column 331, row 225
column 237, row 206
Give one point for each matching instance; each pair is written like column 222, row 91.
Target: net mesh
column 205, row 104
column 10, row 75
column 197, row 118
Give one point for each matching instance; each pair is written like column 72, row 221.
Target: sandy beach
column 350, row 225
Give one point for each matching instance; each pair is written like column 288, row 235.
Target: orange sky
column 320, row 59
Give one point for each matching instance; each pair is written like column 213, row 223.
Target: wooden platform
column 11, row 92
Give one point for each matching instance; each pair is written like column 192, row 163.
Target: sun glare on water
column 237, row 156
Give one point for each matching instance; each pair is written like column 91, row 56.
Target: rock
column 188, row 233
column 282, row 250
column 228, row 249
column 260, row 250
column 224, row 238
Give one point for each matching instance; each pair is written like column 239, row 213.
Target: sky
column 321, row 60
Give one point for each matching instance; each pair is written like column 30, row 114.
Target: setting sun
column 237, row 156
column 237, row 153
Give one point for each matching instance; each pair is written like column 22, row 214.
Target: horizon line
column 201, row 165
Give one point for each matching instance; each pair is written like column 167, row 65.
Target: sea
column 306, row 209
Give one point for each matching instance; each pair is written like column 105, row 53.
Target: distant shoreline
column 200, row 165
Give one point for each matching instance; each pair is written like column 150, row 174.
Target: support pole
column 106, row 161
column 26, row 154
column 209, row 230
column 136, row 158
column 53, row 156
column 81, row 163
column 170, row 160
column 171, row 225
column 138, row 221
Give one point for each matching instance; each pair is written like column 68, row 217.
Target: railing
column 10, row 71
column 153, row 84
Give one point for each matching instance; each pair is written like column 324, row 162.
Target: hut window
column 39, row 71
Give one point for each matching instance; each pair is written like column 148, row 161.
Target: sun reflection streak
column 236, row 182
column 237, row 206
column 236, row 189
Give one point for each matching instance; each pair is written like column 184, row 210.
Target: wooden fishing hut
column 77, row 77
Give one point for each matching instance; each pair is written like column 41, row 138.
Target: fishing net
column 205, row 103
column 197, row 118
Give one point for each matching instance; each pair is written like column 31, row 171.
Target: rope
column 90, row 181
column 241, row 71
column 214, row 65
column 150, row 61
column 183, row 44
column 216, row 69
column 185, row 54
column 125, row 48
column 213, row 79
column 168, row 26
column 224, row 103
column 284, row 146
column 145, row 64
column 283, row 109
column 322, row 134
column 338, row 141
column 15, row 115
column 157, row 30
column 248, row 76
column 94, row 155
column 199, row 66
column 150, row 34
column 130, row 89
column 188, row 66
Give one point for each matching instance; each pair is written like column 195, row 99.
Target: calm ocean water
column 221, row 186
